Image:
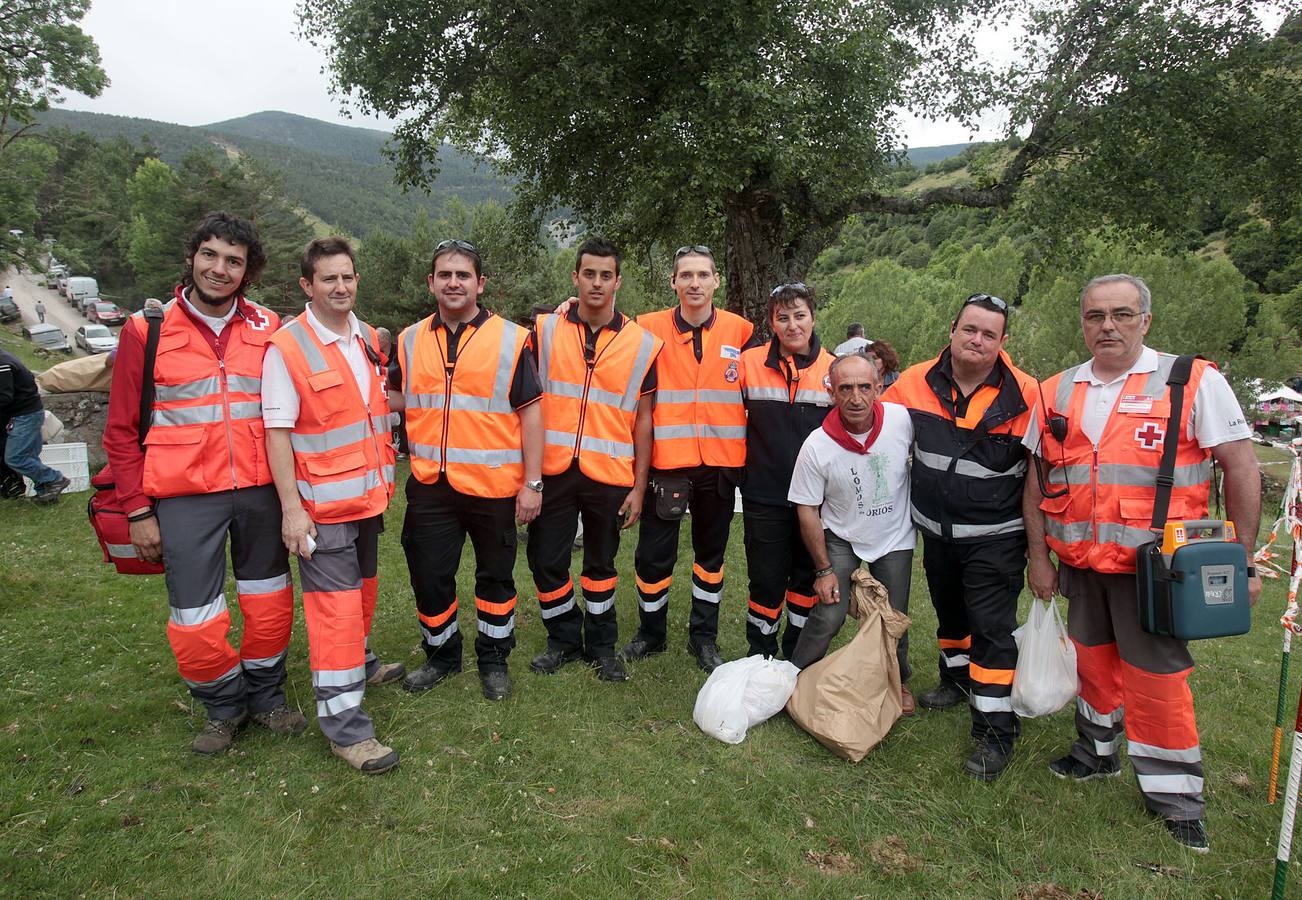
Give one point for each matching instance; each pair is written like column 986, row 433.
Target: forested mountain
column 334, row 172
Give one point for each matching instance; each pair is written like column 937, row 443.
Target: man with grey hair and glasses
column 1100, row 427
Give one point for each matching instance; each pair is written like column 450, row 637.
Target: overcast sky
column 194, row 63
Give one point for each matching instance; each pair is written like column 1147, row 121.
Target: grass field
column 571, row 788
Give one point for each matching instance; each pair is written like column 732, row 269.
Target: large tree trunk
column 757, row 254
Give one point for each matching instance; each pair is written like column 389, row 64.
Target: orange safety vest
column 589, row 409
column 206, row 425
column 343, row 452
column 699, row 417
column 460, row 421
column 1108, row 509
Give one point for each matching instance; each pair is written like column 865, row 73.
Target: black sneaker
column 640, row 648
column 429, row 675
column 945, row 695
column 707, row 655
column 988, row 760
column 1190, row 832
column 1073, row 768
column 609, row 668
column 551, row 660
column 50, row 491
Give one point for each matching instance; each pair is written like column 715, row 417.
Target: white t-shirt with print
column 864, row 498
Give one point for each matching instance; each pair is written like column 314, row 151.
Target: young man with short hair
column 598, row 376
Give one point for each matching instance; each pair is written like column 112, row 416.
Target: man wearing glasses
column 475, row 436
column 699, row 427
column 1106, row 422
column 970, row 407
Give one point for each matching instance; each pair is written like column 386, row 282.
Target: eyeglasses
column 693, row 248
column 1122, row 317
column 989, row 300
column 460, row 245
column 797, row 286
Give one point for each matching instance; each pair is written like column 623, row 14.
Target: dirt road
column 57, row 310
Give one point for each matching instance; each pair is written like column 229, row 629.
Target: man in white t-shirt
column 1106, row 423
column 851, row 490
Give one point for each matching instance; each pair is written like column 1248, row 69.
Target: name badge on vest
column 1135, row 404
column 727, row 352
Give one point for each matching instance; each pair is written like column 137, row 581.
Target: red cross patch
column 257, row 319
column 1150, row 436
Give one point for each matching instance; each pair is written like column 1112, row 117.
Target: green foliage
column 43, row 52
column 909, row 309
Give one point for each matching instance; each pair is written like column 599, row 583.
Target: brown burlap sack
column 850, row 699
column 84, row 373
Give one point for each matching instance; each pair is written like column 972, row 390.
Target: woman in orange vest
column 699, row 426
column 784, row 383
column 597, row 370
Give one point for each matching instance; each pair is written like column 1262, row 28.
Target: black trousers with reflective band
column 781, row 572
column 657, row 553
column 566, row 497
column 974, row 588
column 439, row 518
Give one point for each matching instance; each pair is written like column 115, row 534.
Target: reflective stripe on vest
column 464, row 425
column 206, row 430
column 344, row 471
column 590, row 410
column 1108, row 509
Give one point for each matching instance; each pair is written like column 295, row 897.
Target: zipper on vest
column 226, row 417
column 447, row 414
column 1094, row 495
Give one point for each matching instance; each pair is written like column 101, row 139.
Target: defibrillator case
column 1194, row 583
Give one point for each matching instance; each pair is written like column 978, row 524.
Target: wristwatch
column 823, row 573
column 535, row 486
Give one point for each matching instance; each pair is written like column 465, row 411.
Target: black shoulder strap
column 1178, row 378
column 154, row 319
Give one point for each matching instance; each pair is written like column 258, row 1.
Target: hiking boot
column 988, row 760
column 1190, row 832
column 707, row 655
column 609, row 668
column 281, row 720
column 550, row 660
column 907, row 704
column 49, row 492
column 217, row 734
column 1071, row 767
column 387, row 673
column 943, row 696
column 369, row 756
column 640, row 648
column 496, row 683
column 429, row 675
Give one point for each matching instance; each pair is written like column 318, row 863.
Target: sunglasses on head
column 988, row 300
column 460, row 245
column 693, row 248
column 798, row 286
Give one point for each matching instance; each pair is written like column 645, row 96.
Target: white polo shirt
column 1215, row 417
column 864, row 498
column 279, row 397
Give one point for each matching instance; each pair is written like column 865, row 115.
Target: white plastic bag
column 741, row 694
column 1046, row 679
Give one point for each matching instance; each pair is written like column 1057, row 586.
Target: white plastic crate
column 70, row 459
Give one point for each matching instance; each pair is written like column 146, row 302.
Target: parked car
column 106, row 314
column 86, row 304
column 61, row 283
column 9, row 311
column 47, row 336
column 80, row 287
column 95, row 339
